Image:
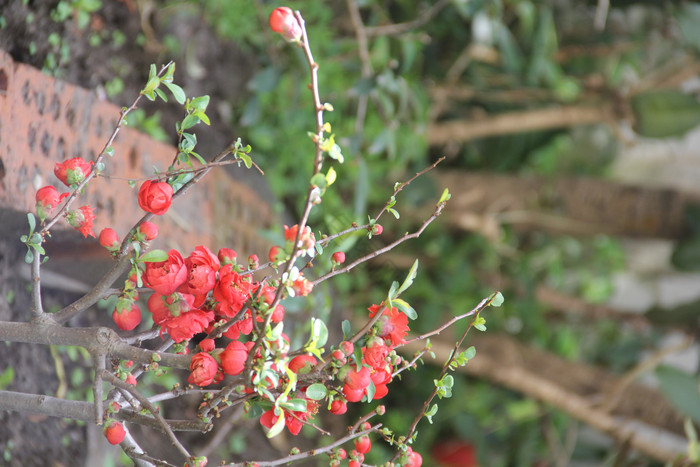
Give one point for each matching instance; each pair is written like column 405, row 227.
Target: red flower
column 114, row 432
column 82, row 220
column 302, row 364
column 155, row 197
column 242, row 326
column 356, row 383
column 282, row 21
column 149, row 230
column 375, row 355
column 231, row 291
column 293, row 420
column 126, row 319
column 73, row 171
column 380, row 378
column 393, row 325
column 47, row 198
column 202, row 266
column 166, row 276
column 338, row 407
column 188, row 324
column 164, row 307
column 363, row 444
column 307, row 240
column 233, row 358
column 109, row 239
column 338, row 257
column 131, row 379
column 204, row 370
column 302, row 287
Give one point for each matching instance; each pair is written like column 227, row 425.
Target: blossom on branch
column 82, row 220
column 72, row 171
column 155, row 197
column 47, row 198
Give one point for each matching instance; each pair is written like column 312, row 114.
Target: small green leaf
column 394, row 212
column 393, row 291
column 29, row 257
column 246, row 160
column 445, row 196
column 32, row 222
column 109, row 151
column 320, row 331
column 277, row 427
column 6, row 377
column 405, row 308
column 347, row 328
column 371, row 389
column 410, row 277
column 190, row 121
column 161, row 94
column 316, row 392
column 295, row 405
column 177, row 92
column 154, row 256
column 319, row 180
column 496, row 299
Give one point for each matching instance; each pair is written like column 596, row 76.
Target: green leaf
column 246, row 160
column 154, row 256
column 405, row 308
column 393, row 291
column 32, row 222
column 681, row 390
column 295, row 405
column 199, row 104
column 409, row 278
column 469, row 353
column 347, row 328
column 320, row 332
column 496, row 299
column 445, row 196
column 29, row 257
column 394, row 212
column 277, row 427
column 161, row 94
column 319, row 180
column 316, row 392
column 371, row 389
column 430, row 413
column 190, row 121
column 177, row 92
column 6, row 377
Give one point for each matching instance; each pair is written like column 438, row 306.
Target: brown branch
column 518, row 122
column 400, row 28
column 118, row 383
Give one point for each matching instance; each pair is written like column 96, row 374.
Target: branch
column 400, row 28
column 116, row 382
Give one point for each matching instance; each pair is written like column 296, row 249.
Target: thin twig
column 151, row 408
column 37, row 306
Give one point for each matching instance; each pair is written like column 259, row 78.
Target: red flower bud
column 204, row 370
column 207, row 345
column 363, row 444
column 128, row 318
column 347, row 347
column 72, row 171
column 277, row 254
column 302, row 364
column 149, row 230
column 109, row 239
column 282, row 21
column 253, row 262
column 131, row 379
column 47, row 198
column 338, row 257
column 155, row 197
column 227, row 256
column 114, row 432
column 233, row 358
column 338, row 407
column 377, row 229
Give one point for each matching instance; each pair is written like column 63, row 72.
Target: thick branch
column 518, row 122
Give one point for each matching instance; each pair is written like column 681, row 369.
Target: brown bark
column 459, row 131
column 578, row 389
column 576, row 206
